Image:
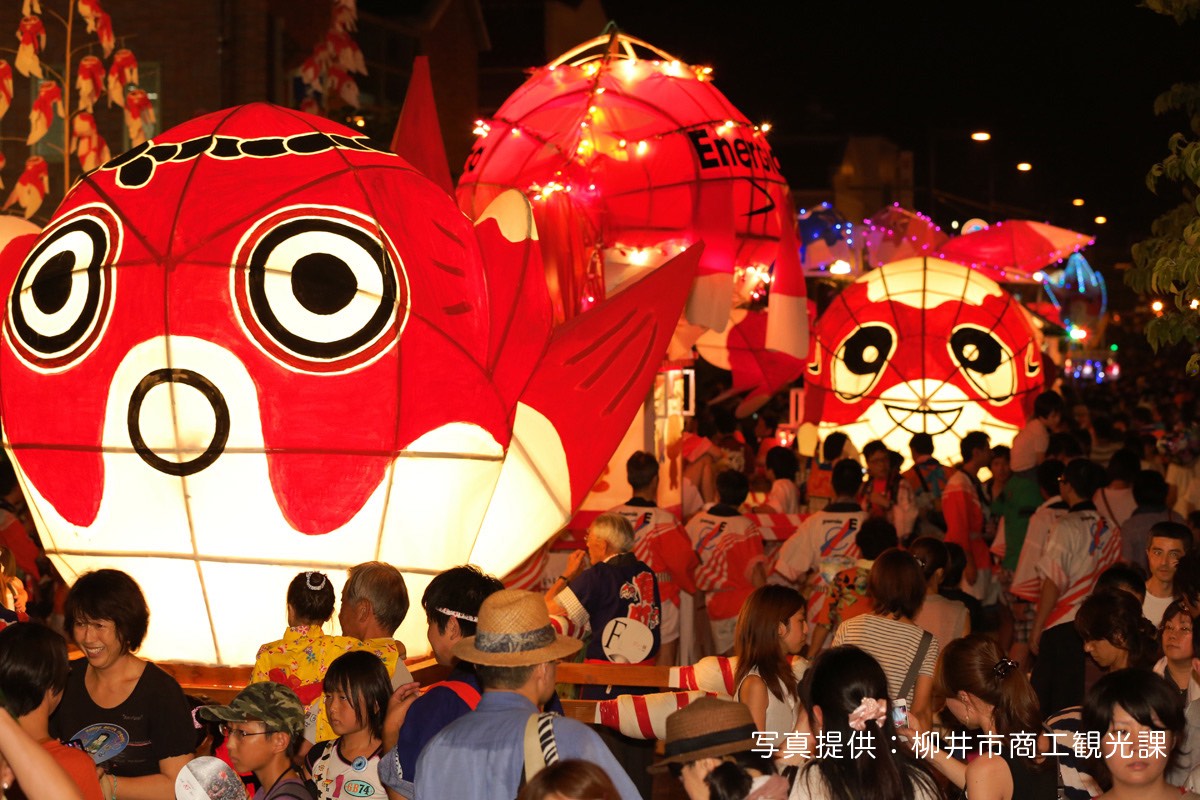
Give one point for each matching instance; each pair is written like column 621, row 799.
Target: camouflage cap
column 271, row 703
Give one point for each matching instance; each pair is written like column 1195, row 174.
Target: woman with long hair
column 1141, row 724
column 1115, row 633
column 770, row 627
column 848, row 700
column 988, row 692
column 907, row 653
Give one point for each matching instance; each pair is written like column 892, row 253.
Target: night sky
column 1067, row 85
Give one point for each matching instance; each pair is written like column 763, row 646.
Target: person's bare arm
column 575, row 565
column 1046, row 602
column 753, row 695
column 147, row 787
column 398, row 704
column 39, row 774
column 818, row 639
column 922, row 707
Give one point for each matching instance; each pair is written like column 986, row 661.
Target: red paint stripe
column 642, row 715
column 610, row 715
column 726, row 673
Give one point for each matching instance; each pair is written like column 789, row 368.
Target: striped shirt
column 729, row 547
column 1081, row 546
column 1027, row 583
column 893, row 644
column 661, row 543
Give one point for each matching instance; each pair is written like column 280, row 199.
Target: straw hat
column 514, row 631
column 707, row 728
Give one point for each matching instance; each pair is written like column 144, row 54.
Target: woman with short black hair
column 126, row 712
column 1141, row 724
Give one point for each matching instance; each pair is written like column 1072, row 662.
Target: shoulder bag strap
column 540, row 748
column 1108, row 505
column 911, row 678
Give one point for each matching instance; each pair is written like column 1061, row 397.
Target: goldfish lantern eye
column 860, row 360
column 320, row 289
column 64, row 291
column 985, row 360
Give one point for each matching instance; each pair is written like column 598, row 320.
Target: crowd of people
column 1018, row 624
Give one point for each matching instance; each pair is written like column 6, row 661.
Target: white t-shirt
column 1029, row 443
column 1115, row 505
column 784, row 497
column 1153, row 607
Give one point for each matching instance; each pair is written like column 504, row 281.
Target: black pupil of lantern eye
column 866, row 351
column 323, row 283
column 976, row 350
column 52, row 286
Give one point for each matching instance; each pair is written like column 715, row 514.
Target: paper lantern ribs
column 630, row 155
column 341, row 368
column 923, row 345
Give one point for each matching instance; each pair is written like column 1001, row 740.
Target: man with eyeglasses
column 1169, row 542
column 264, row 726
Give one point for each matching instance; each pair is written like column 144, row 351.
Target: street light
column 976, row 136
column 1100, row 220
column 1024, row 166
column 1078, row 201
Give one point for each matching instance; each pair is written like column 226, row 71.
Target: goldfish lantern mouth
column 167, row 443
column 923, row 420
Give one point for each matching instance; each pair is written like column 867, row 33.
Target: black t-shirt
column 154, row 722
column 1060, row 673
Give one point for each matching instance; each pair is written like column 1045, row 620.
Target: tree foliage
column 1168, row 261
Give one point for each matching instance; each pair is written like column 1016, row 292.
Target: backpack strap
column 465, row 691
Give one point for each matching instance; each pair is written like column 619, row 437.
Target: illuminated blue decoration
column 826, row 238
column 1078, row 292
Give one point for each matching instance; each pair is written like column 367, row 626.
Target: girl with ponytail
column 848, row 701
column 988, row 692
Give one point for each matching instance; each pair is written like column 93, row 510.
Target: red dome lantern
column 923, row 346
column 630, row 155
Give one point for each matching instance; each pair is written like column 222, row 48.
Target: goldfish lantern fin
column 590, row 381
column 788, row 323
column 418, row 137
column 600, row 364
column 518, row 304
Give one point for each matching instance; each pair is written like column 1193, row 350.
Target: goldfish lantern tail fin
column 418, row 136
column 595, row 367
column 600, row 364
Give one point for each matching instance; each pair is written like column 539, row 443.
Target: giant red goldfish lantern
column 257, row 344
column 630, row 155
column 923, row 346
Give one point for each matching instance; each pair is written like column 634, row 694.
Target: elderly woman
column 127, row 713
column 617, row 595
